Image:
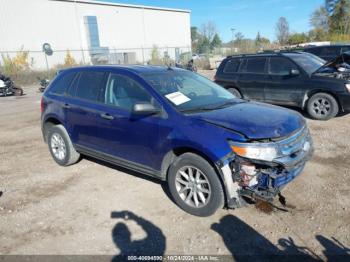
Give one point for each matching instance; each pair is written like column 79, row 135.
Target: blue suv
column 213, row 149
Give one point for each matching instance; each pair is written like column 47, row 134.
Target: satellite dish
column 47, row 49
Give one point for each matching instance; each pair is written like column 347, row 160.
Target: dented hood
column 255, row 120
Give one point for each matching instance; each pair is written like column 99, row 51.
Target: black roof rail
column 283, row 50
column 266, row 52
column 269, row 51
column 244, row 55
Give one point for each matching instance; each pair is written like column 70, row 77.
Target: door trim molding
column 119, row 161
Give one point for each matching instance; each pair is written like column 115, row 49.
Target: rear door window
column 232, row 66
column 281, row 66
column 255, row 65
column 62, row 84
column 89, row 85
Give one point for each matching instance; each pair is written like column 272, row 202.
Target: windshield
column 309, row 62
column 188, row 91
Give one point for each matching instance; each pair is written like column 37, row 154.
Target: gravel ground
column 47, row 209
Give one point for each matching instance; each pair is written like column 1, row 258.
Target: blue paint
column 147, row 139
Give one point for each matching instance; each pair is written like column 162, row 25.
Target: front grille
column 286, row 176
column 294, row 143
column 277, row 178
column 295, row 150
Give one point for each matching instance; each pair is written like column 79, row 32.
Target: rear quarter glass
column 89, row 85
column 62, row 83
column 232, row 66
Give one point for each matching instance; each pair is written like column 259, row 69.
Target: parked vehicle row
column 290, row 78
column 7, row 87
column 212, row 148
column 328, row 52
column 43, row 82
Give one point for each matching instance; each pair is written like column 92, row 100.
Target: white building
column 107, row 32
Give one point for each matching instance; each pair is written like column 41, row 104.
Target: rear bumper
column 344, row 100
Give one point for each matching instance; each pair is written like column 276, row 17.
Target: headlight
column 347, row 87
column 254, row 151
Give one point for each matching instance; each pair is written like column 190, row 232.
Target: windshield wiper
column 228, row 103
column 211, row 108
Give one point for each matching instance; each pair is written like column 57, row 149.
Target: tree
column 330, row 5
column 258, row 40
column 282, row 30
column 239, row 37
column 195, row 35
column 264, row 41
column 205, row 40
column 155, row 56
column 247, row 46
column 69, row 60
column 203, row 45
column 331, row 22
column 318, row 35
column 339, row 16
column 216, row 42
column 261, row 42
column 12, row 66
column 258, row 37
column 209, row 30
column 297, row 38
column 319, row 19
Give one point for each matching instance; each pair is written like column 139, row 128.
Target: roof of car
column 138, row 69
column 320, row 46
column 266, row 53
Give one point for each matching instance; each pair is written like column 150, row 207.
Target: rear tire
column 198, row 192
column 235, row 92
column 322, row 106
column 61, row 147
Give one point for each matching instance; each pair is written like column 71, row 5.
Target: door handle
column 66, row 105
column 107, row 116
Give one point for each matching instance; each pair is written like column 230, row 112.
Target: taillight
column 42, row 105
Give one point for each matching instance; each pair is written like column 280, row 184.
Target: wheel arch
column 310, row 93
column 173, row 154
column 49, row 122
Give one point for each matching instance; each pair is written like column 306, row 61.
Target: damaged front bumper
column 262, row 180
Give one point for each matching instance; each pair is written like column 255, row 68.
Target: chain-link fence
column 26, row 66
column 37, row 60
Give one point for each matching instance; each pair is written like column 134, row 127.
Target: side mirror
column 144, row 108
column 294, row 72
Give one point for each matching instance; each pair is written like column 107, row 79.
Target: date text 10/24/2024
column 174, row 258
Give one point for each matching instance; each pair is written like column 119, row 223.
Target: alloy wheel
column 321, row 107
column 193, row 186
column 58, row 146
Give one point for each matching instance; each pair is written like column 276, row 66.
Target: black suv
column 328, row 52
column 289, row 78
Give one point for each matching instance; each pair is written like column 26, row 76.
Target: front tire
column 322, row 106
column 61, row 147
column 195, row 186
